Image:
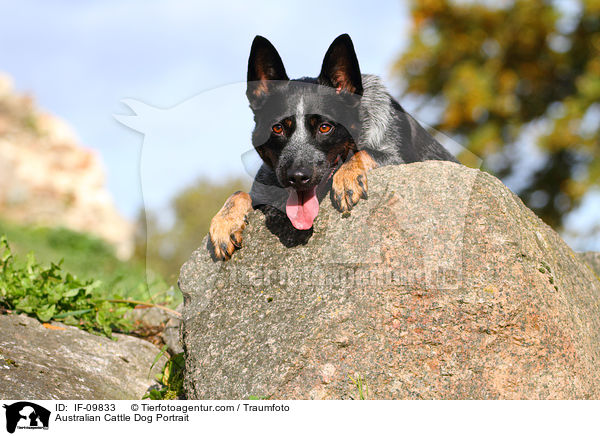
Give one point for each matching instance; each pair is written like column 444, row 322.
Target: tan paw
column 227, row 226
column 350, row 181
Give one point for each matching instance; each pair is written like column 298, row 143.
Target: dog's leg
column 227, row 226
column 350, row 181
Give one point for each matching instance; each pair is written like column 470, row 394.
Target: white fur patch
column 301, row 133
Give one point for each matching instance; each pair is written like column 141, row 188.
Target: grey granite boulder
column 442, row 285
column 592, row 258
column 63, row 362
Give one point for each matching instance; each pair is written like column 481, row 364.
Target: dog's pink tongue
column 302, row 208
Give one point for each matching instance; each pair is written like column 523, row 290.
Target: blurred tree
column 166, row 249
column 497, row 68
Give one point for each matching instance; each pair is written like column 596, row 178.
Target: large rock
column 441, row 285
column 592, row 258
column 62, row 362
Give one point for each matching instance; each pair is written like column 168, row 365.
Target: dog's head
column 304, row 127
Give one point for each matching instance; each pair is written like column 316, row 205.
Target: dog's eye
column 277, row 129
column 325, row 128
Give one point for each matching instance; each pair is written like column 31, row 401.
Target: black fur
column 363, row 114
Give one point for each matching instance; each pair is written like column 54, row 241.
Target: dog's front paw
column 347, row 188
column 350, row 181
column 227, row 226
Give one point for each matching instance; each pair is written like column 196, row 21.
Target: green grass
column 89, row 258
column 360, row 384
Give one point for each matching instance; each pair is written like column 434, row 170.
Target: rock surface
column 442, row 285
column 48, row 178
column 592, row 258
column 171, row 334
column 168, row 324
column 63, row 362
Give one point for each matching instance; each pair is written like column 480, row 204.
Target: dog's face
column 306, row 127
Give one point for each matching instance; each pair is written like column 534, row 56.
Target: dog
column 316, row 135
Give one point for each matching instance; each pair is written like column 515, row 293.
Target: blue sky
column 80, row 59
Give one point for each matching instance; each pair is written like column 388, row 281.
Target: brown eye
column 325, row 128
column 277, row 129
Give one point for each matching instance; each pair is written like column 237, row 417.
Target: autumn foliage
column 512, row 75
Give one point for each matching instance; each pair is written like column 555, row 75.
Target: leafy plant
column 171, row 378
column 88, row 257
column 49, row 293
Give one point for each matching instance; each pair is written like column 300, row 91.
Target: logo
column 26, row 415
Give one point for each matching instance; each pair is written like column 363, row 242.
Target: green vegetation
column 170, row 378
column 49, row 293
column 495, row 71
column 545, row 269
column 73, row 278
column 89, row 258
column 361, row 386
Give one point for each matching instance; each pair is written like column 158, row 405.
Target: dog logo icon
column 26, row 415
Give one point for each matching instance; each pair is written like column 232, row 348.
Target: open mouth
column 302, row 207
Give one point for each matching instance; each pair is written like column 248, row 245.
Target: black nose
column 299, row 178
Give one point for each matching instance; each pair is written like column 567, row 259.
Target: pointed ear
column 264, row 64
column 340, row 67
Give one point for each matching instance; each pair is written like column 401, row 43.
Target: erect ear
column 264, row 64
column 340, row 67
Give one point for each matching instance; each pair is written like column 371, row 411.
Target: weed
column 171, row 378
column 361, row 386
column 88, row 257
column 49, row 293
